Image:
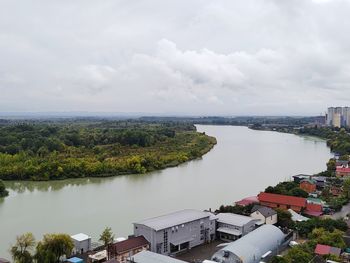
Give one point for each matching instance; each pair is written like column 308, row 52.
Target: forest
column 50, row 150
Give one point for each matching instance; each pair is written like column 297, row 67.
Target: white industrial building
column 178, row 231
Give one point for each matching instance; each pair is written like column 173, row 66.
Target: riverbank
column 55, row 151
column 242, row 163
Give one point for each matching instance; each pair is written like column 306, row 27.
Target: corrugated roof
column 127, row 245
column 150, row 257
column 265, row 211
column 174, row 219
column 282, row 199
column 297, row 217
column 251, row 246
column 234, row 219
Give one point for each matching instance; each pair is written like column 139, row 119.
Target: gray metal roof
column 233, row 219
column 150, row 257
column 174, row 219
column 265, row 211
column 250, row 248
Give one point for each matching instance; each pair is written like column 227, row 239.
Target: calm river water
column 241, row 164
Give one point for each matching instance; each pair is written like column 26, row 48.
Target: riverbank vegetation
column 3, row 191
column 49, row 250
column 59, row 150
column 287, row 188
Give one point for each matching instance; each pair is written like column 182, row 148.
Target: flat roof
column 234, row 219
column 80, row 237
column 174, row 219
column 150, row 257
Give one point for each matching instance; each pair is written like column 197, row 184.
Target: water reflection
column 44, row 186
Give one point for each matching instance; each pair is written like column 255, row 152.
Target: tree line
column 46, row 151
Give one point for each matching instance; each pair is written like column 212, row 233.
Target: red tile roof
column 343, row 169
column 282, row 199
column 127, row 245
column 248, row 201
column 326, row 250
column 322, row 249
column 314, row 207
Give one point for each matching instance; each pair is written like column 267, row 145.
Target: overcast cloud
column 186, row 57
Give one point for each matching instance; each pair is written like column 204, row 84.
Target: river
column 242, row 163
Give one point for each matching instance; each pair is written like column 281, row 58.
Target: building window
column 165, row 245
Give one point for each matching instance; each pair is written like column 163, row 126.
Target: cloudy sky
column 230, row 57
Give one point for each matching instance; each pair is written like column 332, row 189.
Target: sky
column 198, row 57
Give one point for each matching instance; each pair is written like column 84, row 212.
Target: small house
column 321, row 182
column 265, row 214
column 127, row 248
column 308, row 185
column 342, row 163
column 323, row 250
column 82, row 243
column 247, row 201
column 313, row 209
column 342, row 171
column 299, row 177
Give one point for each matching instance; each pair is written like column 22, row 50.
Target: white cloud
column 193, row 57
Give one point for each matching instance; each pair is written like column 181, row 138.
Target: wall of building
column 198, row 231
column 310, row 188
column 80, row 246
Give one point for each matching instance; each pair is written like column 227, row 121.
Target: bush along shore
column 67, row 149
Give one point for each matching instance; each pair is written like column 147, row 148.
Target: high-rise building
column 338, row 117
column 330, row 116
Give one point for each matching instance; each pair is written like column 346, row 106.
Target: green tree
column 299, row 254
column 22, row 251
column 107, row 236
column 279, row 259
column 53, row 247
column 346, row 188
column 284, row 218
column 3, row 191
column 298, row 192
column 334, row 239
column 331, row 165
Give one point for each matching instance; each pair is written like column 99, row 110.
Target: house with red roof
column 308, row 185
column 282, row 201
column 247, row 201
column 342, row 171
column 127, row 248
column 323, row 250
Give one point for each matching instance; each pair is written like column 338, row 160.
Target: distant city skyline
column 244, row 57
